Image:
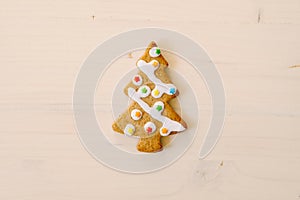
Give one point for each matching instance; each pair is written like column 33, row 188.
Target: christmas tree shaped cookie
column 150, row 115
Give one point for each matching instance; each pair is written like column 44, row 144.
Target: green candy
column 159, row 108
column 157, row 51
column 144, row 90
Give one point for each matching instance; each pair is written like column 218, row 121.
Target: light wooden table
column 252, row 42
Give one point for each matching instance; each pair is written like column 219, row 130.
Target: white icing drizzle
column 171, row 125
column 149, row 70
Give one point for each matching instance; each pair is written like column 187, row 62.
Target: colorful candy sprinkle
column 129, row 130
column 155, row 63
column 136, row 114
column 155, row 92
column 137, row 80
column 149, row 127
column 172, row 90
column 157, row 51
column 158, row 107
column 164, row 130
column 144, row 90
column 154, row 52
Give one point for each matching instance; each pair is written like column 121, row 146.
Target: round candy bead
column 154, row 52
column 164, row 131
column 144, row 91
column 150, row 127
column 129, row 130
column 155, row 93
column 137, row 80
column 136, row 114
column 158, row 106
column 155, row 63
column 172, row 90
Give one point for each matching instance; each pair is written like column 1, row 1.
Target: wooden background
column 253, row 43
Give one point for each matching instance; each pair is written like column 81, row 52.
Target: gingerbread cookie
column 150, row 116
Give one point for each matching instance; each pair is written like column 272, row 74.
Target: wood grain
column 252, row 42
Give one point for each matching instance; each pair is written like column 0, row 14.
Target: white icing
column 149, row 70
column 151, row 126
column 134, row 116
column 171, row 125
column 139, row 82
column 153, row 52
column 128, row 128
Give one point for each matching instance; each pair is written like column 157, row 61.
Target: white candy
column 144, row 91
column 158, row 106
column 154, row 52
column 129, row 130
column 150, row 127
column 137, row 80
column 136, row 114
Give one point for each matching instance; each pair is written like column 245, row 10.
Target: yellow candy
column 155, row 64
column 156, row 92
column 130, row 130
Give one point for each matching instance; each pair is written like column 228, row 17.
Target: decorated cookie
column 150, row 115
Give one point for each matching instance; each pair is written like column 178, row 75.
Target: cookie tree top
column 150, row 116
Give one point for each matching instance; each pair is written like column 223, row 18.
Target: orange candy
column 164, row 130
column 137, row 114
column 155, row 64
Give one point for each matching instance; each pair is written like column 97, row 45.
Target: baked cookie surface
column 150, row 116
